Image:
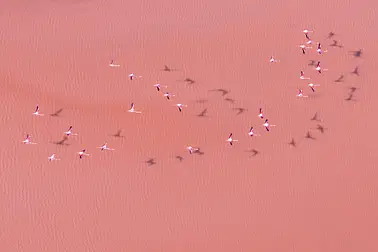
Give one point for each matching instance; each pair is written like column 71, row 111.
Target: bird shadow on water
column 356, row 71
column 179, row 158
column 330, row 35
column 220, row 90
column 293, row 143
column 203, row 113
column 321, row 128
column 253, row 152
column 240, row 110
column 168, row 69
column 315, row 117
column 189, row 81
column 118, row 134
column 151, row 161
column 230, row 100
column 309, row 136
column 312, row 63
column 62, row 142
column 57, row 113
column 340, row 79
column 352, row 89
column 350, row 98
column 336, row 44
column 356, row 53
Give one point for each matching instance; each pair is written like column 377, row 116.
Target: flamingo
column 180, row 106
column 52, row 158
column 267, row 125
column 300, row 94
column 105, row 147
column 69, row 132
column 191, row 149
column 27, row 140
column 111, row 64
column 36, row 112
column 82, row 153
column 230, row 140
column 132, row 110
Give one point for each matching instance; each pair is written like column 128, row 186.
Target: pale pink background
column 318, row 197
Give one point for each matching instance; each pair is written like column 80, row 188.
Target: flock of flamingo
column 230, row 140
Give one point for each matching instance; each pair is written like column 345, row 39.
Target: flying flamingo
column 273, row 60
column 27, row 140
column 36, row 112
column 180, row 106
column 52, row 158
column 111, row 64
column 231, row 140
column 252, row 133
column 312, row 86
column 158, row 86
column 82, row 153
column 261, row 115
column 267, row 125
column 132, row 76
column 192, row 149
column 319, row 50
column 300, row 94
column 304, row 47
column 131, row 110
column 302, row 77
column 69, row 132
column 105, row 147
column 168, row 95
column 306, row 32
column 319, row 69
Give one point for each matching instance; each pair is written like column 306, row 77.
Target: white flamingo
column 319, row 49
column 69, row 132
column 267, row 125
column 52, row 158
column 251, row 132
column 111, row 64
column 132, row 76
column 36, row 112
column 319, row 69
column 304, row 47
column 300, row 94
column 261, row 115
column 158, row 86
column 27, row 140
column 168, row 95
column 191, row 149
column 132, row 110
column 312, row 86
column 180, row 106
column 273, row 60
column 105, row 147
column 82, row 153
column 230, row 140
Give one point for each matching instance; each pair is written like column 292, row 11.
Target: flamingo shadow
column 57, row 113
column 118, row 134
column 151, row 161
column 62, row 142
